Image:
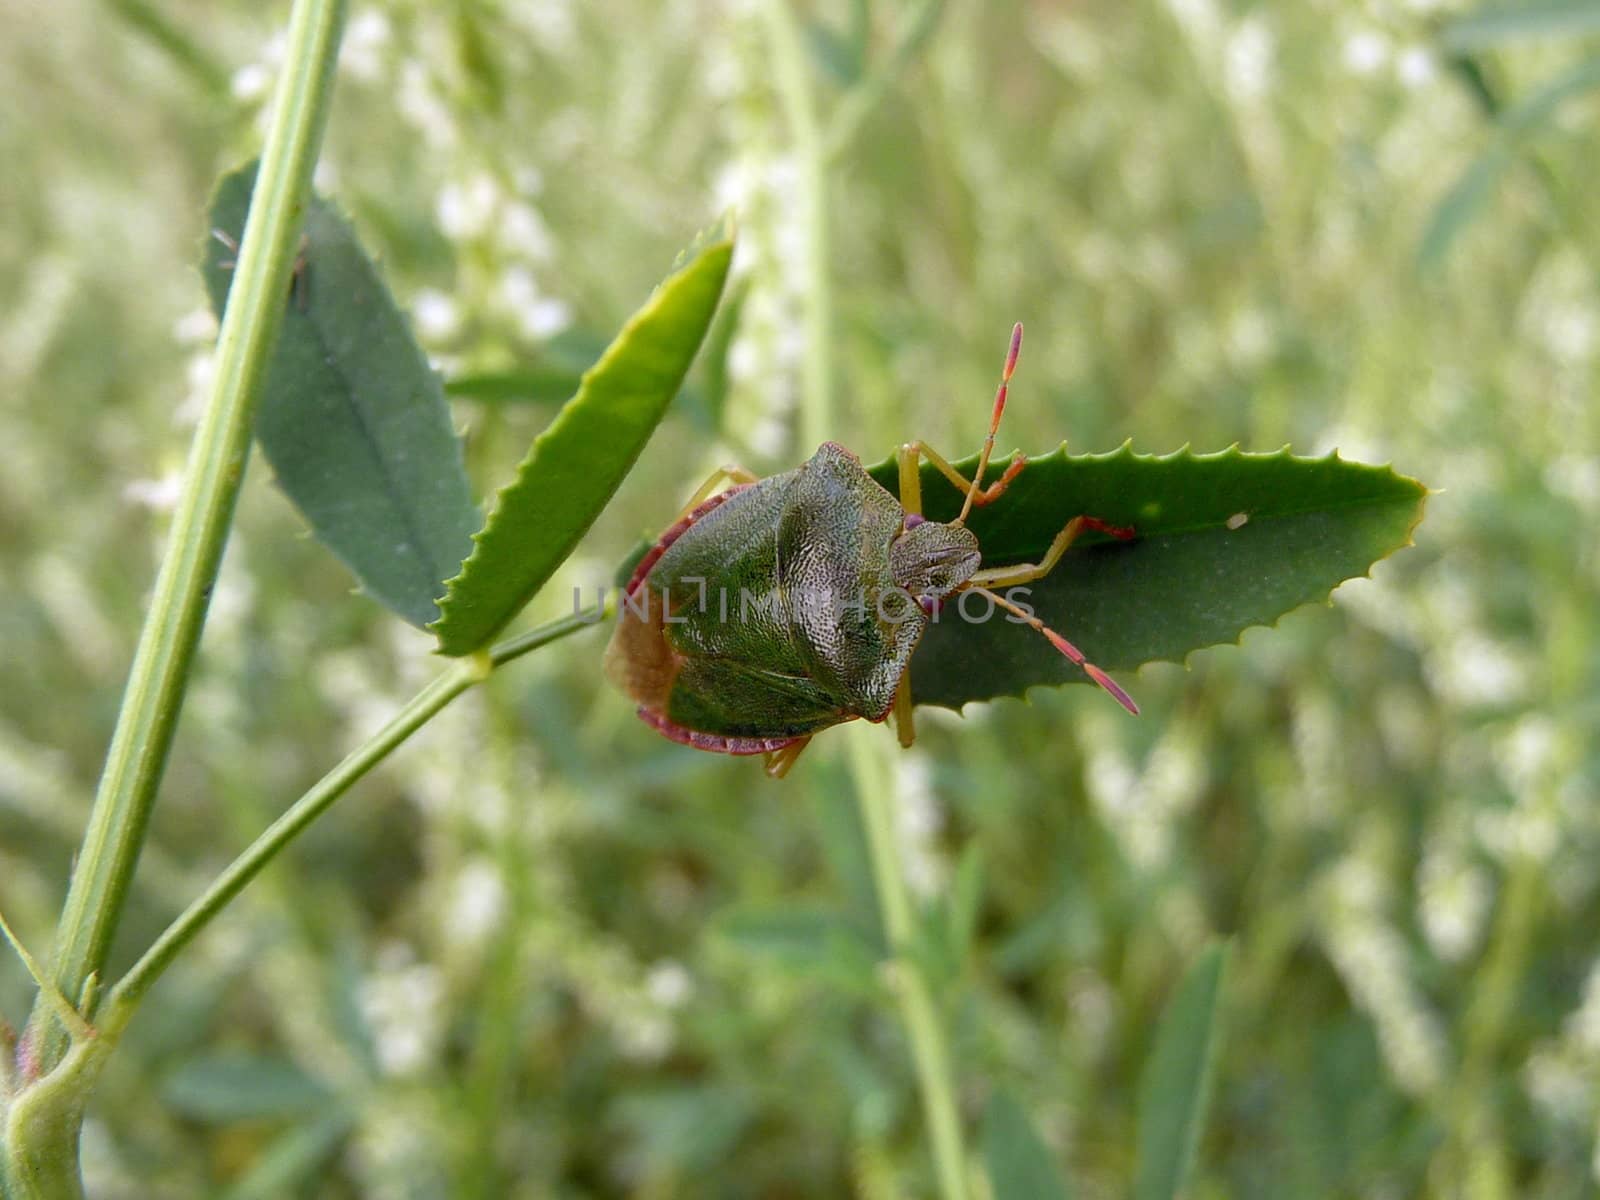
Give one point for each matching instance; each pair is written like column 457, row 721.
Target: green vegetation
column 539, row 950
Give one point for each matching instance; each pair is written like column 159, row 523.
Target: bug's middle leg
column 1027, row 572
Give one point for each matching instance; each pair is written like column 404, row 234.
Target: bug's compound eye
column 930, row 605
column 915, row 519
column 932, row 559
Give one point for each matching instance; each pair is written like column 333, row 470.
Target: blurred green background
column 544, row 952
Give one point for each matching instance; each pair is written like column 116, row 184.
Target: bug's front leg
column 911, row 451
column 910, row 500
column 1020, row 573
column 730, row 474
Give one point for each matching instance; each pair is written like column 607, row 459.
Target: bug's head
column 931, row 560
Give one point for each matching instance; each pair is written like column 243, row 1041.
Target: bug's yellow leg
column 718, row 481
column 912, row 450
column 905, row 725
column 1027, row 572
column 779, row 761
column 910, row 477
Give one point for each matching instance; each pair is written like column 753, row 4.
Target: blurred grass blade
column 1496, row 25
column 148, row 21
column 223, row 1088
column 1175, row 1089
column 1018, row 1164
column 1470, row 193
column 353, row 419
column 1224, row 541
column 813, row 943
column 291, row 1159
column 580, row 459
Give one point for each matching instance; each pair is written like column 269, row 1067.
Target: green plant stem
column 221, row 447
column 38, row 1149
column 924, row 1026
column 799, row 104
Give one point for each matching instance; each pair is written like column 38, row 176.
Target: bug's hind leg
column 905, row 725
column 1027, row 572
column 779, row 761
column 724, row 476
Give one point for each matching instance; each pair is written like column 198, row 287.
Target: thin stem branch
column 221, row 446
column 929, row 1048
column 48, row 992
column 428, row 703
column 425, row 705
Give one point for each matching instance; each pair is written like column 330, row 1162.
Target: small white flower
column 251, row 81
column 540, row 316
column 1248, row 64
column 158, row 495
column 1416, row 67
column 436, row 315
column 195, row 328
column 669, row 984
column 364, row 38
column 465, row 210
column 478, row 901
column 402, row 1002
column 418, row 102
column 1366, row 51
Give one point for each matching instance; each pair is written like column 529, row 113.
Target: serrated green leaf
column 226, row 1087
column 1187, row 580
column 353, row 419
column 580, row 459
column 1018, row 1163
column 1175, row 1088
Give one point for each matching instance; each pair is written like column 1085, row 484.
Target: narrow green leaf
column 551, row 378
column 227, row 1087
column 1175, row 1089
column 812, row 942
column 291, row 1158
column 533, row 384
column 688, row 1128
column 353, row 419
column 1496, row 25
column 1224, row 541
column 966, row 897
column 1515, row 126
column 580, row 459
column 1018, row 1164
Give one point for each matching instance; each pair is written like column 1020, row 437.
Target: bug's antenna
column 994, row 421
column 1061, row 644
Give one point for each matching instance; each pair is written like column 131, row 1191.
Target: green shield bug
column 774, row 608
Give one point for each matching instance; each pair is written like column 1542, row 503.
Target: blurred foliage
column 513, row 963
